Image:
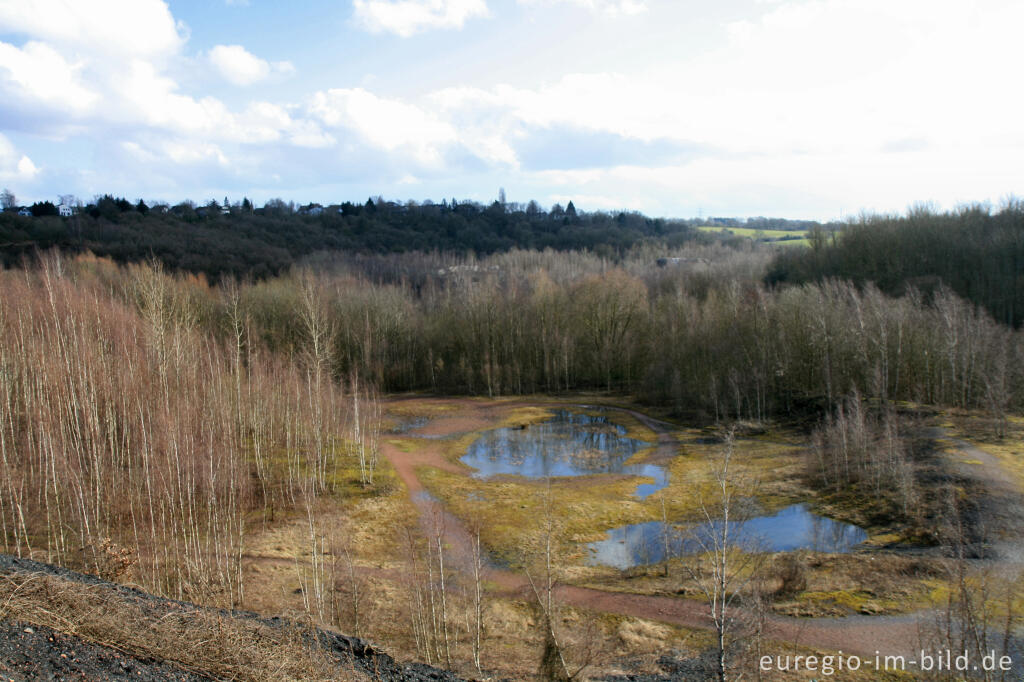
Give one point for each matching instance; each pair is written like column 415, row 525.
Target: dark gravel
column 28, row 652
column 32, row 652
column 671, row 668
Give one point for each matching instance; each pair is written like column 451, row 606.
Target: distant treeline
column 976, row 253
column 240, row 240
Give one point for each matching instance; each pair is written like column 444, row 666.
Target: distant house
column 25, row 211
column 312, row 209
column 65, row 211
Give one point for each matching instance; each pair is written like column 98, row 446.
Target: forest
column 293, row 437
column 973, row 251
column 239, row 240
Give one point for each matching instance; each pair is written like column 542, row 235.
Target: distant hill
column 223, row 240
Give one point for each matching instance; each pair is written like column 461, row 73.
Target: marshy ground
column 881, row 594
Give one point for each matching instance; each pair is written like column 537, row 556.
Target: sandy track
column 998, row 513
column 861, row 635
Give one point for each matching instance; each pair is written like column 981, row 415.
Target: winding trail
column 861, row 635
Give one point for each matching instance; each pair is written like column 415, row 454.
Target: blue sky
column 794, row 108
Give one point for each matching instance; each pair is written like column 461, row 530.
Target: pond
column 790, row 529
column 568, row 444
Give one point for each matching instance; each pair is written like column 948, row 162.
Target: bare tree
column 365, row 429
column 979, row 616
column 543, row 578
column 720, row 567
column 477, row 560
column 8, row 200
column 351, row 584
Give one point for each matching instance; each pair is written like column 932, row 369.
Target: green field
column 761, row 235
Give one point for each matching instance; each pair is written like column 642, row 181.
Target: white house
column 65, row 211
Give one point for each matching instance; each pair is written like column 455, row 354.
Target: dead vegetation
column 199, row 640
column 135, row 443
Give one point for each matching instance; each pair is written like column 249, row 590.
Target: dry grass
column 979, row 429
column 841, row 585
column 836, row 585
column 198, row 640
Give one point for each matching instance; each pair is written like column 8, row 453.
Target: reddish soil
column 861, row 635
column 446, row 426
column 405, row 463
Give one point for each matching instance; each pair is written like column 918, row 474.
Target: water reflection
column 406, row 424
column 791, row 528
column 568, row 444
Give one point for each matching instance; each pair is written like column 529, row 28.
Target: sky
column 819, row 109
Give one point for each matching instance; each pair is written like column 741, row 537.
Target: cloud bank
column 792, row 107
column 408, row 17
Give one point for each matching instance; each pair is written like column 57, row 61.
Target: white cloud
column 407, row 17
column 798, row 79
column 38, row 74
column 138, row 27
column 148, row 97
column 241, row 67
column 14, row 167
column 387, row 124
column 610, row 7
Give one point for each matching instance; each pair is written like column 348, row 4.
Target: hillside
column 56, row 624
column 259, row 242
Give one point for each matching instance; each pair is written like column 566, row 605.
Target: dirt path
column 860, row 635
column 994, row 504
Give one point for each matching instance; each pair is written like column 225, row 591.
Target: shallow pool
column 791, row 528
column 568, row 444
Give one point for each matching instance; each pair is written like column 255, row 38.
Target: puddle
column 790, row 529
column 568, row 444
column 407, row 424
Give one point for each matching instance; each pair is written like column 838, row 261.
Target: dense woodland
column 703, row 335
column 973, row 251
column 885, row 307
column 219, row 239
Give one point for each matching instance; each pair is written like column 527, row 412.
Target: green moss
column 404, row 444
column 524, row 416
column 853, row 601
